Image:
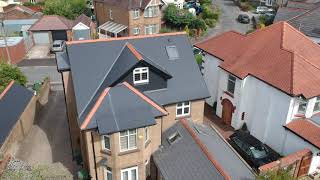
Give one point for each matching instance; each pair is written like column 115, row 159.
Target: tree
column 67, row 8
column 177, row 17
column 8, row 73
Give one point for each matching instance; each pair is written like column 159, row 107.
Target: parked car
column 57, row 46
column 243, row 18
column 263, row 9
column 254, row 152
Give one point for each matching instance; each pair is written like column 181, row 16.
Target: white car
column 263, row 9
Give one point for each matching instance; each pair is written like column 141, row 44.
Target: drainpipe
column 94, row 156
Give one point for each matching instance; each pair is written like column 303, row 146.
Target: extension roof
column 52, row 22
column 13, row 101
column 279, row 55
column 200, row 153
column 112, row 112
column 83, row 19
column 98, row 64
column 127, row 4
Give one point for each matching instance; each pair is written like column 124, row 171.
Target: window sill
column 146, row 144
column 228, row 93
column 140, row 84
column 128, row 152
column 300, row 115
column 105, row 151
column 182, row 117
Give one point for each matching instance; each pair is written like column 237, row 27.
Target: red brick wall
column 17, row 52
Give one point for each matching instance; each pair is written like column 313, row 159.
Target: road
column 227, row 21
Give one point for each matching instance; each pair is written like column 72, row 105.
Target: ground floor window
column 107, row 173
column 150, row 29
column 129, row 173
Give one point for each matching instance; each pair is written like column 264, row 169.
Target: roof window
column 173, row 137
column 172, row 52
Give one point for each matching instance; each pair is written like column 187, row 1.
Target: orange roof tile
column 279, row 55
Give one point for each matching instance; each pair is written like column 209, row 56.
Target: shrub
column 210, row 22
column 177, row 17
column 199, row 59
column 165, row 30
column 205, row 2
column 8, row 73
column 198, row 24
column 208, row 13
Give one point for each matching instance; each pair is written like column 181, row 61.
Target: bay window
column 129, row 173
column 128, row 140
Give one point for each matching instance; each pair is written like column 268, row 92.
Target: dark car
column 254, row 152
column 243, row 18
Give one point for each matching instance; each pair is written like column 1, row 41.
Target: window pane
column 179, row 104
column 179, row 111
column 132, row 141
column 316, row 106
column 302, row 108
column 106, row 142
column 109, row 176
column 133, row 174
column 123, row 133
column 133, row 131
column 186, row 110
column 137, row 77
column 144, row 76
column 125, row 175
column 231, row 86
column 186, row 103
column 124, row 143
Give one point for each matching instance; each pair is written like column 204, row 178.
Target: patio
column 211, row 119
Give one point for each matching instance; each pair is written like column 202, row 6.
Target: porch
column 112, row 29
column 210, row 118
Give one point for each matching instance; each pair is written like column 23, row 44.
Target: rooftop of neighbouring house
column 83, row 19
column 52, row 22
column 198, row 152
column 127, row 4
column 98, row 64
column 279, row 55
column 13, row 101
column 307, row 128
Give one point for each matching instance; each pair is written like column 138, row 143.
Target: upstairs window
column 141, row 75
column 136, row 13
column 151, row 11
column 183, row 109
column 128, row 140
column 316, row 107
column 105, row 142
column 231, row 84
column 302, row 107
column 172, row 52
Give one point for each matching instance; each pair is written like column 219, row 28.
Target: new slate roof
column 113, row 110
column 13, row 101
column 127, row 4
column 278, row 55
column 96, row 65
column 306, row 129
column 200, row 153
column 52, row 22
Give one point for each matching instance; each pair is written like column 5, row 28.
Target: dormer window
column 317, row 105
column 302, row 107
column 141, row 75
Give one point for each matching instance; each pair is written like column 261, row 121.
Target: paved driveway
column 48, row 141
column 39, row 52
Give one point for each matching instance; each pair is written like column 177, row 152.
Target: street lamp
column 2, row 18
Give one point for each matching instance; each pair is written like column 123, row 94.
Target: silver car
column 58, row 46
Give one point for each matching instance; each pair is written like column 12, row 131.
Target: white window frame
column 129, row 172
column 128, row 140
column 151, row 11
column 136, row 31
column 110, row 14
column 317, row 101
column 103, row 142
column 146, row 134
column 140, row 71
column 106, row 172
column 302, row 102
column 136, row 13
column 182, row 107
column 233, row 81
column 148, row 29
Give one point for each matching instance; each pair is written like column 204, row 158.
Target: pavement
column 48, row 141
column 228, row 20
column 39, row 52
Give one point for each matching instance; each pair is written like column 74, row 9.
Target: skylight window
column 174, row 137
column 172, row 52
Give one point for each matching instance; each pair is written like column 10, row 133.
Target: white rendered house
column 270, row 80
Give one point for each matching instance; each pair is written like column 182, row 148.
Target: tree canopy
column 67, row 8
column 177, row 17
column 8, row 73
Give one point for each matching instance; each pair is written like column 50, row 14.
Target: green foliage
column 210, row 22
column 166, row 30
column 205, row 2
column 8, row 73
column 198, row 24
column 177, row 17
column 67, row 8
column 280, row 174
column 199, row 58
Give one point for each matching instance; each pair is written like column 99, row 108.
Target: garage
column 41, row 37
column 59, row 35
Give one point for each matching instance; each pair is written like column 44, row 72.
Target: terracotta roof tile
column 306, row 129
column 52, row 22
column 278, row 55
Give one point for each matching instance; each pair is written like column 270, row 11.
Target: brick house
column 127, row 17
column 122, row 93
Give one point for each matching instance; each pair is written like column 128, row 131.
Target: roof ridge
column 303, row 35
column 124, row 38
column 6, row 89
column 306, row 60
column 144, row 97
column 134, row 51
column 303, row 13
column 205, row 150
column 94, row 109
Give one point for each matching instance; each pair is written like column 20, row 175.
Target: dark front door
column 59, row 35
column 227, row 110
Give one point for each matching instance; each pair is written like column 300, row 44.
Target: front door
column 227, row 110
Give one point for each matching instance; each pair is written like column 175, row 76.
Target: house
column 83, row 27
column 14, row 12
column 122, row 93
column 127, row 18
column 17, row 112
column 178, row 3
column 303, row 16
column 193, row 151
column 269, row 80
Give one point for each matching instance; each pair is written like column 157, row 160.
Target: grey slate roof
column 184, row 160
column 97, row 65
column 112, row 115
column 12, row 105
